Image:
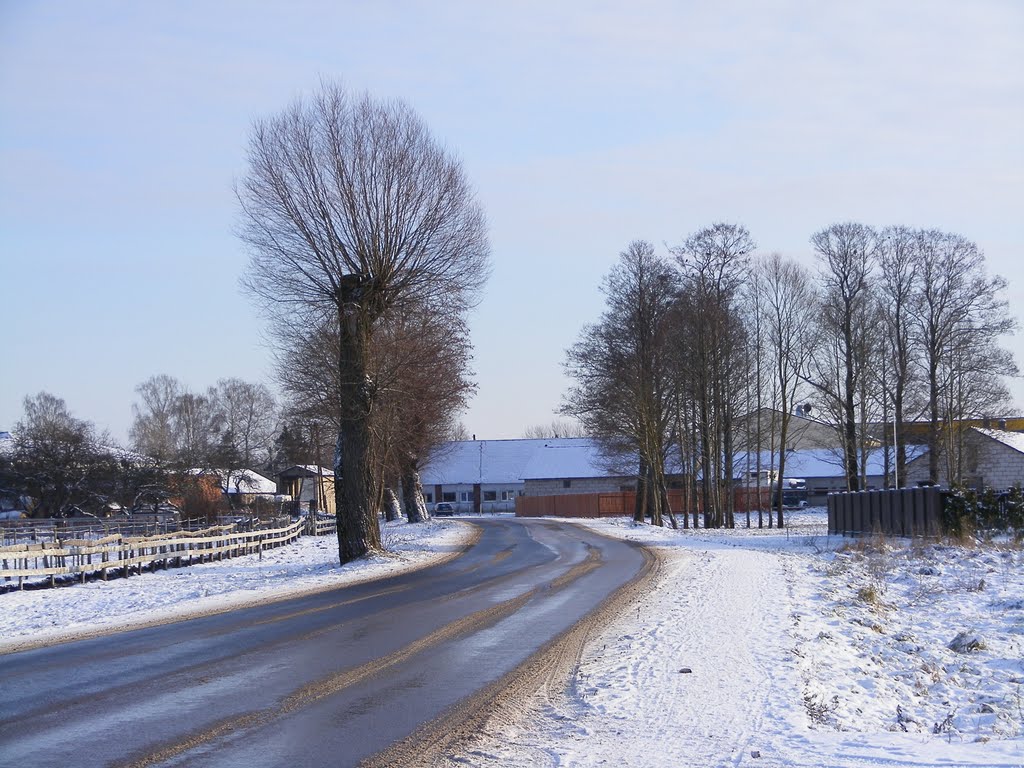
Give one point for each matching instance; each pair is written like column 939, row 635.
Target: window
column 448, row 496
column 508, row 495
column 465, row 495
column 428, row 497
column 567, row 483
column 490, row 495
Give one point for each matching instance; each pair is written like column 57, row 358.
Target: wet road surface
column 326, row 679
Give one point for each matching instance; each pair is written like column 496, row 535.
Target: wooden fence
column 571, row 505
column 81, row 557
column 895, row 512
column 35, row 530
column 622, row 503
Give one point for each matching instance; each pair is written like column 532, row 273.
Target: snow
column 1014, row 440
column 787, row 665
column 581, row 459
column 819, row 462
column 467, row 462
column 242, row 481
column 802, row 649
column 313, row 469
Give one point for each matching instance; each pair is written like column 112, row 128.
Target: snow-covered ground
column 757, row 647
column 790, row 648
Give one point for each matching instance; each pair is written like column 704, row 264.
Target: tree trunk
column 933, row 418
column 783, row 434
column 729, row 473
column 358, row 528
column 412, row 495
column 653, row 494
column 392, row 509
column 640, row 507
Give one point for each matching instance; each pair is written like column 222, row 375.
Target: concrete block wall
column 577, row 486
column 1000, row 466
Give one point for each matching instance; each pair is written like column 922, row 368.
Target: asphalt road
column 332, row 678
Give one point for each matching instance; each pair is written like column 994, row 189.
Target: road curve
column 333, row 678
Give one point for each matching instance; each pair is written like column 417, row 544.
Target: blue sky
column 582, row 125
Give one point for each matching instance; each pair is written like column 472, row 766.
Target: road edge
column 440, row 742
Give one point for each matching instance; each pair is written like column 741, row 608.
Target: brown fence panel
column 576, row 505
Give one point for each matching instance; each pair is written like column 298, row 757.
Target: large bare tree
column 714, row 264
column 897, row 287
column 623, row 380
column 350, row 209
column 847, row 254
column 959, row 313
column 789, row 308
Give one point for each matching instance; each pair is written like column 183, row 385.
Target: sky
column 582, row 126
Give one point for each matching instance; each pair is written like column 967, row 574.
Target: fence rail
column 895, row 512
column 78, row 557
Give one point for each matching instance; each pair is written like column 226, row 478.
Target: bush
column 964, row 513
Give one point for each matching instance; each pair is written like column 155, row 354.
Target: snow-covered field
column 757, row 647
column 790, row 648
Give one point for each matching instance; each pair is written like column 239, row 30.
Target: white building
column 487, row 475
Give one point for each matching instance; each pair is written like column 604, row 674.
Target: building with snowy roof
column 579, row 466
column 488, row 475
column 991, row 458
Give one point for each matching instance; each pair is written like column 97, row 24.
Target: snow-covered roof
column 820, row 462
column 310, row 469
column 247, row 481
column 581, row 459
column 466, row 462
column 317, row 470
column 513, row 461
column 241, row 481
column 1014, row 440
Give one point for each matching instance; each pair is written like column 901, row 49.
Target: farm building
column 488, row 475
column 573, row 466
column 991, row 458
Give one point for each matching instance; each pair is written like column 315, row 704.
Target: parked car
column 444, row 509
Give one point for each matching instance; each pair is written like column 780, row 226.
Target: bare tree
column 153, row 431
column 847, row 253
column 351, row 209
column 789, row 305
column 420, row 398
column 420, row 367
column 197, row 430
column 57, row 460
column 248, row 413
column 897, row 288
column 959, row 313
column 621, row 367
column 714, row 265
column 555, row 429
